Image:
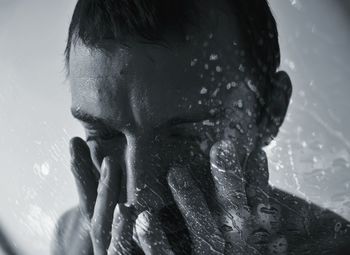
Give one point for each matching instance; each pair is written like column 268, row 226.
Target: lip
column 259, row 236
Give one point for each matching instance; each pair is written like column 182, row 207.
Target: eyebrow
column 182, row 121
column 90, row 119
column 87, row 118
column 178, row 120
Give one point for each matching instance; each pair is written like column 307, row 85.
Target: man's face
column 153, row 106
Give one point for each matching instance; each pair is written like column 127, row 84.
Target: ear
column 276, row 107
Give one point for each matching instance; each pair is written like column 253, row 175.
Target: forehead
column 87, row 62
column 138, row 85
column 141, row 78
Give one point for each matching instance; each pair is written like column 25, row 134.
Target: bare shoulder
column 71, row 235
column 311, row 229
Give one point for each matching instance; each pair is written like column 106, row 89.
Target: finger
column 175, row 229
column 107, row 198
column 228, row 175
column 81, row 167
column 205, row 235
column 151, row 236
column 233, row 215
column 265, row 210
column 257, row 173
column 122, row 231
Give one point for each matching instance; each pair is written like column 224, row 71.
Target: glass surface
column 310, row 158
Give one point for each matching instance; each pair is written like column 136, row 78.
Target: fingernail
column 117, row 218
column 223, row 155
column 104, row 168
column 179, row 178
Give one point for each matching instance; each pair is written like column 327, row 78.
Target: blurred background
column 310, row 158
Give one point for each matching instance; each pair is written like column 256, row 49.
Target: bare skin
column 181, row 126
column 247, row 217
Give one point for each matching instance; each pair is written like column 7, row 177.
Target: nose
column 147, row 159
column 145, row 173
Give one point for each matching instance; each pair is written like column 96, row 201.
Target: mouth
column 259, row 236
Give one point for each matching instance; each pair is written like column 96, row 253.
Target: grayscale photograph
column 175, row 127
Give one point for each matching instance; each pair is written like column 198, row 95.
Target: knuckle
column 223, row 157
column 104, row 188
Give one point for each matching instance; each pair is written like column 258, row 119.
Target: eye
column 184, row 133
column 101, row 134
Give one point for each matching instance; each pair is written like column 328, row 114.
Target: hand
column 110, row 224
column 243, row 220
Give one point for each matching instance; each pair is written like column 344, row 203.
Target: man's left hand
column 244, row 220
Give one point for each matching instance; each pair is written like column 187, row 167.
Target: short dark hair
column 95, row 20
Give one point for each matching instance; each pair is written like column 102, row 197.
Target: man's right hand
column 110, row 224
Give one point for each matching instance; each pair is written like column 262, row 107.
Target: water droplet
column 240, row 103
column 194, row 62
column 241, row 68
column 208, row 123
column 204, row 91
column 213, row 57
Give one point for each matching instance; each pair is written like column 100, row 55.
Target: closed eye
column 181, row 132
column 189, row 130
column 102, row 134
column 95, row 128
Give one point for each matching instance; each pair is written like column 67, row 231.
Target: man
column 178, row 99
